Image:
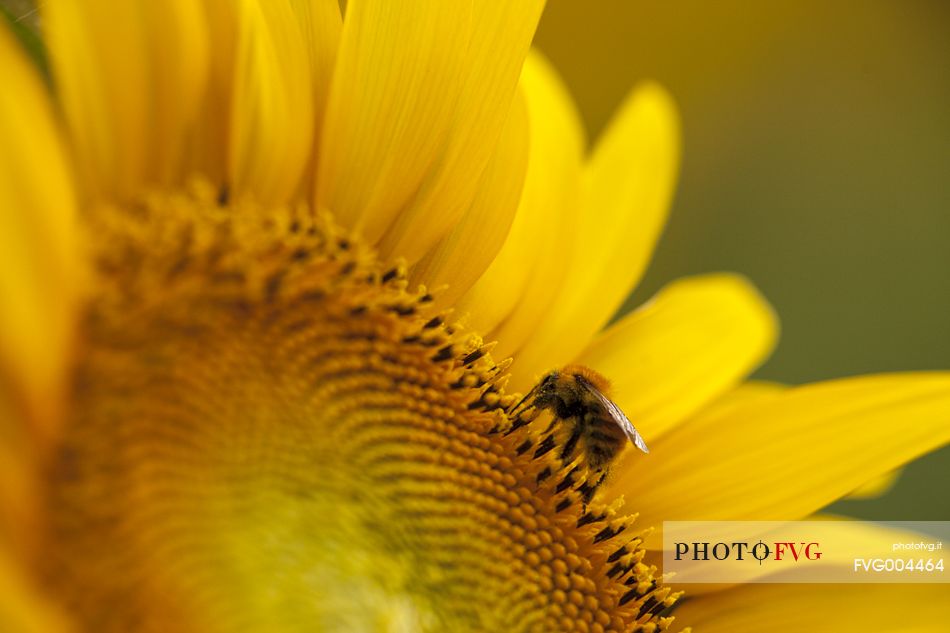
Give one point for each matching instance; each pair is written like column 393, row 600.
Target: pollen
column 272, row 431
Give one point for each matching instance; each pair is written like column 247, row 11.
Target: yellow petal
column 21, row 484
column 745, row 393
column 272, row 112
column 876, row 487
column 320, row 23
column 459, row 258
column 418, row 101
column 696, row 339
column 22, row 608
column 628, row 185
column 500, row 36
column 786, row 456
column 521, row 280
column 129, row 77
column 846, row 536
column 819, row 609
column 211, row 142
column 393, row 98
column 38, row 267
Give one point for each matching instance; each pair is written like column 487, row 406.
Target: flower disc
column 270, row 432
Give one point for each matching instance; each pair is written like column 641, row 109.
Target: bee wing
column 618, row 416
column 525, row 401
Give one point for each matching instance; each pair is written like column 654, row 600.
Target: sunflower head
column 258, row 398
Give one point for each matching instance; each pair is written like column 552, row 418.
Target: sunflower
column 253, row 252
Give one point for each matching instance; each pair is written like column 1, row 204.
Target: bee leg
column 523, row 413
column 518, row 406
column 522, row 420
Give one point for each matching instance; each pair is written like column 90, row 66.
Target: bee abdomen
column 601, row 454
column 605, row 438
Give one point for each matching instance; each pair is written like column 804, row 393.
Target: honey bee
column 591, row 422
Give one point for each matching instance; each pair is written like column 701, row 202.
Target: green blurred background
column 816, row 162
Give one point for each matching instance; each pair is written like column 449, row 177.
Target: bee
column 591, row 422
